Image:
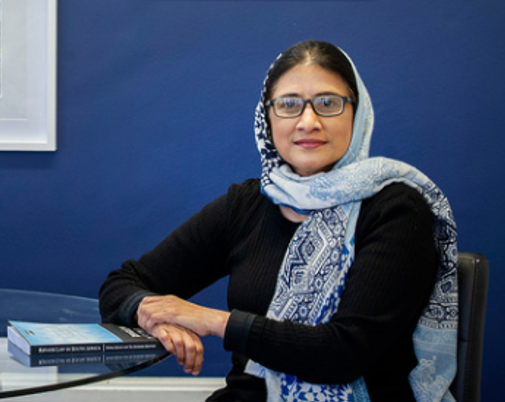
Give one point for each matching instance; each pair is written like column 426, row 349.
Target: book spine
column 119, row 347
column 77, row 348
column 95, row 348
column 50, row 360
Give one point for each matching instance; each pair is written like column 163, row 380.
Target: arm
column 188, row 260
column 194, row 256
column 387, row 287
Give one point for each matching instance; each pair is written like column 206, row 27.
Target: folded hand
column 185, row 345
column 203, row 321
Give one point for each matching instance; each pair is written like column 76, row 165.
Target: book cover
column 115, row 359
column 35, row 338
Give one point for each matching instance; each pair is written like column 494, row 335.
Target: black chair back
column 473, row 280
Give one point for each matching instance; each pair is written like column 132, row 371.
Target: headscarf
column 321, row 252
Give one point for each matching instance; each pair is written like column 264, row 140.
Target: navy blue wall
column 135, row 158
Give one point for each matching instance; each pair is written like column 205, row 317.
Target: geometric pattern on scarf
column 321, row 252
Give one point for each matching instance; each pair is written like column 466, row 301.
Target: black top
column 243, row 234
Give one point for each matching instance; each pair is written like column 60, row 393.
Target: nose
column 308, row 120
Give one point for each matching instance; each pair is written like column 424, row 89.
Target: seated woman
column 342, row 267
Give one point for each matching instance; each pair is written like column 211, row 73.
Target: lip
column 310, row 143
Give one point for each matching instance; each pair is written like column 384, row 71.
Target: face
column 310, row 143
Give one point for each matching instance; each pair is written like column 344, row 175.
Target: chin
column 310, row 171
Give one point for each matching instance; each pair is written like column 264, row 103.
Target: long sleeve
column 188, row 260
column 387, row 287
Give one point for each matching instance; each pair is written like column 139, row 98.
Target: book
column 126, row 358
column 35, row 338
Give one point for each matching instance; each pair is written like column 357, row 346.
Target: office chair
column 473, row 280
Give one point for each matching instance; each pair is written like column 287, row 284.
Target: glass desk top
column 20, row 376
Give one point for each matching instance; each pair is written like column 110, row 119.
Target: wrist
column 219, row 322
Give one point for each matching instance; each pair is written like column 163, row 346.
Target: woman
column 341, row 267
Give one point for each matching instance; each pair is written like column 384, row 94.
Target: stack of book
column 43, row 344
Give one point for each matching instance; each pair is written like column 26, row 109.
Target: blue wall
column 135, row 159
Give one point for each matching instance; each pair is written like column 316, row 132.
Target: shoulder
column 245, row 195
column 397, row 210
column 245, row 200
column 248, row 188
column 236, row 195
column 397, row 195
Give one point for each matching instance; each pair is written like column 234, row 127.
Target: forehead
column 308, row 81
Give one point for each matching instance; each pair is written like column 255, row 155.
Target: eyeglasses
column 293, row 106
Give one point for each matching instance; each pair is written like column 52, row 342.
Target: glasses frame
column 345, row 100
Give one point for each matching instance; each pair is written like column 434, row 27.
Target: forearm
column 182, row 264
column 321, row 354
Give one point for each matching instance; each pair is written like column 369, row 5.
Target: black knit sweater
column 243, row 235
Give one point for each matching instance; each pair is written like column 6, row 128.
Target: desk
column 17, row 379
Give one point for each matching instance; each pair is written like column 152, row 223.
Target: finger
column 185, row 345
column 189, row 350
column 177, row 339
column 194, row 353
column 163, row 336
column 199, row 355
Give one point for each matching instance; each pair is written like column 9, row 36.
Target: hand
column 203, row 321
column 184, row 344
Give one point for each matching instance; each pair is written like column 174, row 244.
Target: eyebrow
column 297, row 95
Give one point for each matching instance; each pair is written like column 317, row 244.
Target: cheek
column 280, row 130
column 349, row 136
column 277, row 138
column 345, row 129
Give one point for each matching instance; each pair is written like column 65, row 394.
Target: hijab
column 310, row 283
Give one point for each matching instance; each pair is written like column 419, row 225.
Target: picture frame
column 28, row 63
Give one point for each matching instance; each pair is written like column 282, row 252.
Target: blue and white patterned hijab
column 315, row 267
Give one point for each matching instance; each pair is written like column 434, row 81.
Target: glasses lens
column 289, row 106
column 328, row 104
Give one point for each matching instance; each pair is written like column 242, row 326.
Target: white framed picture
column 28, row 32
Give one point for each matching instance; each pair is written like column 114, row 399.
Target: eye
column 328, row 104
column 327, row 101
column 288, row 106
column 289, row 102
